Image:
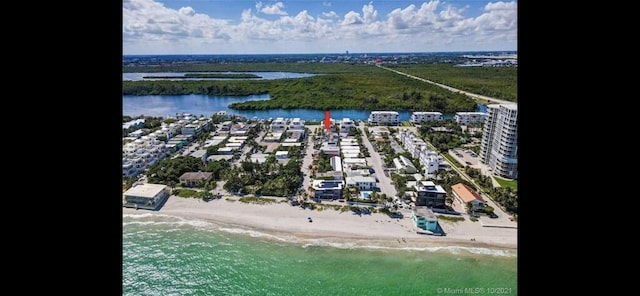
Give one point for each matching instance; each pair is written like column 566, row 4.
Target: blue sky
column 309, row 26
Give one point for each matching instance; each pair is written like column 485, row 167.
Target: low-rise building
column 384, row 118
column 418, row 117
column 361, row 182
column 429, row 194
column 282, row 154
column 404, row 165
column 192, row 179
column 146, row 196
column 346, row 124
column 463, row 195
column 424, row 218
column 327, row 189
column 464, row 118
column 278, row 124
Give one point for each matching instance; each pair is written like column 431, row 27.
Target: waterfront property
column 465, row 118
column 424, row 218
column 463, row 195
column 146, row 196
column 384, row 118
column 192, row 179
column 418, row 117
column 327, row 189
column 499, row 146
column 429, row 194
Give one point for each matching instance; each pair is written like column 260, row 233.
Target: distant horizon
column 169, row 27
column 319, row 53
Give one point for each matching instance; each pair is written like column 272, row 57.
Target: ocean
column 165, row 255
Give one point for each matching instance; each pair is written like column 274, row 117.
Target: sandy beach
column 285, row 222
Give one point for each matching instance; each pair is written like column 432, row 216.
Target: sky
column 310, row 26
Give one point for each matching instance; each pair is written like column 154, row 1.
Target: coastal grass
column 513, row 184
column 188, row 193
column 452, row 160
column 450, row 218
column 257, row 200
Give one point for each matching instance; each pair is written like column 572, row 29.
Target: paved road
column 376, row 162
column 472, row 95
column 307, row 160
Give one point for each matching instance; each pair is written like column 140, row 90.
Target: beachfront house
column 424, row 218
column 429, row 194
column 193, row 179
column 463, row 195
column 146, row 196
column 327, row 189
column 361, row 182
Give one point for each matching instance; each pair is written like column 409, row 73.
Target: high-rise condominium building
column 499, row 146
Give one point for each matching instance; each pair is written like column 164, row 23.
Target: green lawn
column 452, row 160
column 507, row 183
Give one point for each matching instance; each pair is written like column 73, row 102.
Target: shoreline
column 283, row 222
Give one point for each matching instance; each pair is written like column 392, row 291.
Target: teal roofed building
column 424, row 218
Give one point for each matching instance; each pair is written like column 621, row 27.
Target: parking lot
column 465, row 157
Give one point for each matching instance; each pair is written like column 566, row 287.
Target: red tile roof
column 466, row 193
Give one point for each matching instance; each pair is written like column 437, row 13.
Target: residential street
column 376, row 162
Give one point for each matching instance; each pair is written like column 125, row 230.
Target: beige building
column 146, row 196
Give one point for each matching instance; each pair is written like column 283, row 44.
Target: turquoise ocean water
column 164, row 255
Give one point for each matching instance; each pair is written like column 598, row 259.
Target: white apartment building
column 346, row 124
column 361, row 182
column 296, row 124
column 418, row 117
column 429, row 160
column 499, row 145
column 464, row 118
column 384, row 118
column 139, row 155
column 278, row 124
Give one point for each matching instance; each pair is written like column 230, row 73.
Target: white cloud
column 352, row 18
column 147, row 19
column 188, row 11
column 149, row 26
column 271, row 9
column 326, row 3
column 370, row 14
column 330, row 14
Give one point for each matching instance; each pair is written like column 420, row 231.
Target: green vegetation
column 452, row 160
column 188, row 193
column 128, row 181
column 506, row 196
column 342, row 86
column 208, row 75
column 269, row 178
column 168, row 170
column 496, row 82
column 450, row 218
column 257, row 200
column 513, row 184
column 442, row 134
